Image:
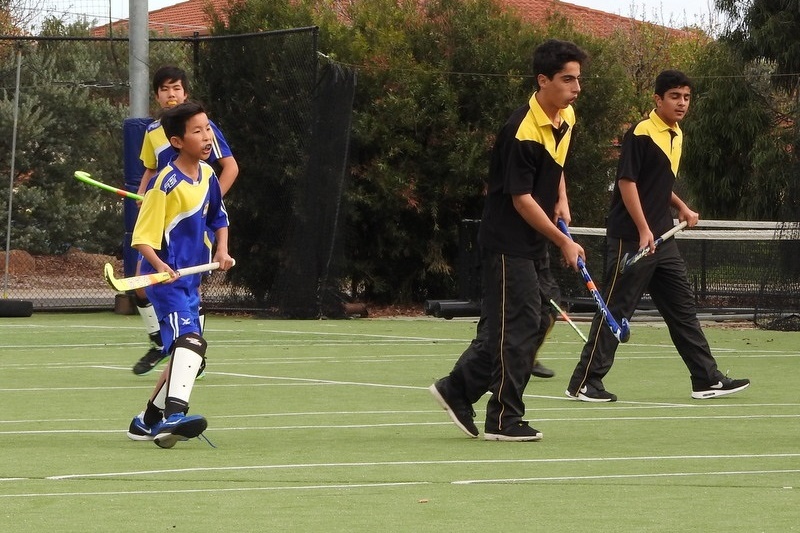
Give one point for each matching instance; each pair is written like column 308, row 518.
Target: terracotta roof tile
column 188, row 17
column 182, row 19
column 587, row 20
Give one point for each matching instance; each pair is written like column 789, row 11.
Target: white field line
column 394, row 412
column 264, row 344
column 333, row 360
column 371, row 485
column 447, row 462
column 342, row 426
column 214, row 491
column 299, row 381
column 625, row 476
column 347, row 335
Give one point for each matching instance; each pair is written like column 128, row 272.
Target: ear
column 176, row 142
column 542, row 80
column 657, row 99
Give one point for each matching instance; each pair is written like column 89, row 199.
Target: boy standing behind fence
column 181, row 203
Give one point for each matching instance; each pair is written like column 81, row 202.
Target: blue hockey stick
column 623, row 332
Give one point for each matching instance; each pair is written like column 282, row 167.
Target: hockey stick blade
column 87, row 178
column 626, row 262
column 145, row 280
column 621, row 330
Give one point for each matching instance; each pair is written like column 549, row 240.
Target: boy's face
column 563, row 89
column 197, row 139
column 674, row 105
column 171, row 93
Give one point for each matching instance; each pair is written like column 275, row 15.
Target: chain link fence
column 284, row 111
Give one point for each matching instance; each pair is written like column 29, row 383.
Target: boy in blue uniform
column 641, row 208
column 171, row 88
column 181, row 203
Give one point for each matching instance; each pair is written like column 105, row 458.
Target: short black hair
column 671, row 79
column 169, row 73
column 175, row 118
column 550, row 57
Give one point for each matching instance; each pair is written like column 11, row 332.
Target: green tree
column 729, row 128
column 434, row 86
column 67, row 121
column 742, row 159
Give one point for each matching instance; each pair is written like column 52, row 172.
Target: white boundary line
column 217, row 490
column 221, row 429
column 626, row 476
column 446, row 462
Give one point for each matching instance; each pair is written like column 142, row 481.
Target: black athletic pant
column 663, row 276
column 515, row 319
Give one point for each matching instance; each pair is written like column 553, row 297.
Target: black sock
column 152, row 414
column 175, row 405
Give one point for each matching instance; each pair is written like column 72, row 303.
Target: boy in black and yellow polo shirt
column 526, row 194
column 641, row 209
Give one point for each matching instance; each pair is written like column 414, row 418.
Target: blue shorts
column 177, row 307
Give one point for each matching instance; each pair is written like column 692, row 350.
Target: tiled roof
column 188, row 17
column 183, row 19
column 586, row 20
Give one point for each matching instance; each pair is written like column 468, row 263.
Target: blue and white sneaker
column 138, row 430
column 178, row 427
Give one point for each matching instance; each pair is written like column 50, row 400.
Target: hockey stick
column 566, row 317
column 145, row 280
column 87, row 178
column 623, row 332
column 626, row 262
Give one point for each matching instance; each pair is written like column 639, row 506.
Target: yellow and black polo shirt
column 651, row 153
column 528, row 158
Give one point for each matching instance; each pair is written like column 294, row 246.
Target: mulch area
column 386, row 311
column 79, row 270
column 74, row 270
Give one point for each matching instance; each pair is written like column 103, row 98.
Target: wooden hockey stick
column 145, row 280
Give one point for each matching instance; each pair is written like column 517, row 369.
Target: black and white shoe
column 519, row 432
column 723, row 387
column 590, row 394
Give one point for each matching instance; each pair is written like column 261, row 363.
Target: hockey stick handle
column 197, row 269
column 622, row 333
column 87, row 178
column 644, row 251
column 569, row 321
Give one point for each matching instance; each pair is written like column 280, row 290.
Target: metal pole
column 139, row 59
column 13, row 170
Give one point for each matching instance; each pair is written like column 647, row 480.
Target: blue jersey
column 175, row 214
column 157, row 151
